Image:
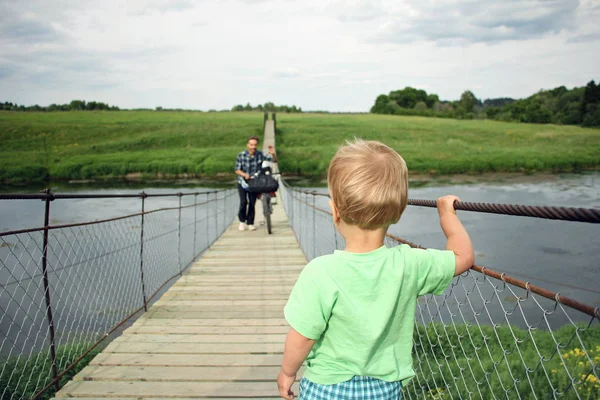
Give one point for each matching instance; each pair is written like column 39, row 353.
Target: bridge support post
column 195, row 222
column 314, row 230
column 51, row 330
column 179, row 237
column 144, row 195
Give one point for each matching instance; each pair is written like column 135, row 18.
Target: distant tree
column 380, row 104
column 421, row 106
column 590, row 105
column 431, row 100
column 77, row 105
column 537, row 112
column 592, row 115
column 467, row 101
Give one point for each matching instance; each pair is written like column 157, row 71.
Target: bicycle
column 266, row 197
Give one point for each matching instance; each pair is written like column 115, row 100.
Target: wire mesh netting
column 488, row 336
column 98, row 275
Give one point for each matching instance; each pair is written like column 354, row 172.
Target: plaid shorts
column 357, row 388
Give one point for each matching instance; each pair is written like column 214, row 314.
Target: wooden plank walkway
column 218, row 332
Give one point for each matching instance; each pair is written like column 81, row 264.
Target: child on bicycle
column 352, row 312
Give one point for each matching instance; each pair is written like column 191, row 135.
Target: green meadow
column 167, row 145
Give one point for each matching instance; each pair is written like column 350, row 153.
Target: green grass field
column 110, row 145
column 442, row 146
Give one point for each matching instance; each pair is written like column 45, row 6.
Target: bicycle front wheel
column 266, row 200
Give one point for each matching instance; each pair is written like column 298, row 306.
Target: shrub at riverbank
column 166, row 145
column 473, row 351
column 23, row 377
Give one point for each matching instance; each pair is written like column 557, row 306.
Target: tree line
column 269, row 106
column 578, row 106
column 75, row 105
column 82, row 105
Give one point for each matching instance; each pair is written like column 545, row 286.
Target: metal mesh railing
column 489, row 336
column 65, row 288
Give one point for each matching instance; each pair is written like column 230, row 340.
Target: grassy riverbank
column 109, row 145
column 167, row 145
column 439, row 146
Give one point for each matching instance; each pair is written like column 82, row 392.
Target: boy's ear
column 334, row 211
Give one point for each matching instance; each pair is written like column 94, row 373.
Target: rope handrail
column 54, row 196
column 576, row 214
column 589, row 310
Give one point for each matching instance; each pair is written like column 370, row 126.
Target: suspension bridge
column 175, row 302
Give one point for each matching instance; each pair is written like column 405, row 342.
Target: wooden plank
column 191, row 295
column 216, row 314
column 221, row 303
column 180, row 374
column 194, row 348
column 174, row 338
column 235, row 261
column 144, row 321
column 252, row 252
column 267, row 288
column 261, row 283
column 262, row 277
column 290, row 270
column 181, row 389
column 208, row 330
column 253, row 278
column 237, row 310
column 189, row 360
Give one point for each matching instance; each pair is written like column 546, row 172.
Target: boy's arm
column 458, row 239
column 296, row 350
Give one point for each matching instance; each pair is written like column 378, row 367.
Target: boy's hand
column 446, row 204
column 284, row 383
column 271, row 150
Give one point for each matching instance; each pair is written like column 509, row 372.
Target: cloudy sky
column 317, row 54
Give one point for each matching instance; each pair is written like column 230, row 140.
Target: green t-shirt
column 360, row 310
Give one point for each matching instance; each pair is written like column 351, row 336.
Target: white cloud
column 335, row 55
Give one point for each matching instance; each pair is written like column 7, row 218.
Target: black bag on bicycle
column 263, row 184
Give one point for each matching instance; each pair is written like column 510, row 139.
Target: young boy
column 352, row 312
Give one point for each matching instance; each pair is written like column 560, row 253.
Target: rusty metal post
column 144, row 195
column 195, row 223
column 207, row 220
column 314, row 230
column 51, row 329
column 179, row 236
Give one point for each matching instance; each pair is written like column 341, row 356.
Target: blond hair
column 368, row 183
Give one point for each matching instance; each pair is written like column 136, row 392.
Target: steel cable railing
column 489, row 336
column 66, row 288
